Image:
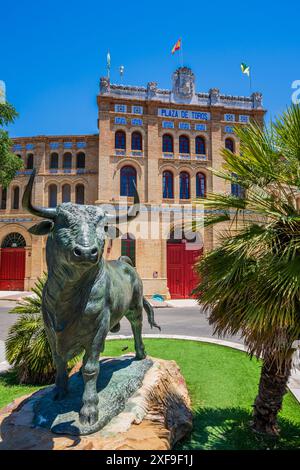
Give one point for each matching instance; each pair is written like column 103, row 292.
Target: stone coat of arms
column 183, row 83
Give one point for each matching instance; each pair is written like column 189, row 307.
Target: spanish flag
column 177, row 46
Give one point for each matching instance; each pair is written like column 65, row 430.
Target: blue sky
column 54, row 52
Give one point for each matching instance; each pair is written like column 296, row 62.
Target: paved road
column 189, row 321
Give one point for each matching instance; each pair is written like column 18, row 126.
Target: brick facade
column 151, row 112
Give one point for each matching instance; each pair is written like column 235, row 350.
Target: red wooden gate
column 181, row 277
column 12, row 268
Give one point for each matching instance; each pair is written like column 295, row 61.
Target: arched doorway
column 181, row 256
column 12, row 262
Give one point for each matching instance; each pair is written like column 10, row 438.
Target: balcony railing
column 168, row 155
column 201, row 157
column 136, row 153
column 24, row 172
column 120, row 152
column 184, row 156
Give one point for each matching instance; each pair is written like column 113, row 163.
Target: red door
column 12, row 268
column 175, row 266
column 181, row 277
column 191, row 277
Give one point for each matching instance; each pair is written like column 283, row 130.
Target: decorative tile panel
column 137, row 109
column 120, row 121
column 229, row 117
column 168, row 125
column 168, row 155
column 120, row 152
column 17, row 147
column 184, row 126
column 81, row 145
column 184, row 156
column 136, row 122
column 229, row 130
column 54, row 145
column 120, row 108
column 68, row 145
column 244, row 119
column 29, row 146
column 201, row 127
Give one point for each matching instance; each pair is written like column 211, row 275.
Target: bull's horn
column 26, row 202
column 132, row 213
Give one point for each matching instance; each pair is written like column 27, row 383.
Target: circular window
column 14, row 240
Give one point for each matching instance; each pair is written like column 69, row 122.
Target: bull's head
column 77, row 233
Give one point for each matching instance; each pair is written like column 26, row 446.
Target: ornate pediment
column 183, row 84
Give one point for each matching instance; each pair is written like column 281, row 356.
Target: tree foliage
column 27, row 346
column 250, row 283
column 9, row 162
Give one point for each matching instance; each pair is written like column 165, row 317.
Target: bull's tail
column 150, row 314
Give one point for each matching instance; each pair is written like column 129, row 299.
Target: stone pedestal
column 150, row 411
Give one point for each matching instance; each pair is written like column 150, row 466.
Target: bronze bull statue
column 85, row 296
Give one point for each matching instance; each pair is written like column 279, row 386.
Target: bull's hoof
column 59, row 393
column 88, row 415
column 140, row 356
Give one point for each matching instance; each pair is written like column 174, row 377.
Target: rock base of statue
column 142, row 405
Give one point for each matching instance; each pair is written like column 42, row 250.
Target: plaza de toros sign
column 183, row 114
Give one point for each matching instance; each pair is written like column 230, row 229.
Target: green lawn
column 222, row 383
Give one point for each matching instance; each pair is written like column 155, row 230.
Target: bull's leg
column 136, row 320
column 61, row 381
column 90, row 371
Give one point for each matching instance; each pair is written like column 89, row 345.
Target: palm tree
column 250, row 283
column 27, row 347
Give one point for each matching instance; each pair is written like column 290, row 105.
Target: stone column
column 153, row 154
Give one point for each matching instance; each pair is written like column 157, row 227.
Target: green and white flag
column 245, row 69
column 108, row 60
column 108, row 64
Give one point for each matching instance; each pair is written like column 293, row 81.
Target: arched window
column 54, row 161
column 29, row 165
column 184, row 144
column 66, row 193
column 236, row 189
column 52, row 195
column 128, row 247
column 79, row 194
column 14, row 240
column 200, row 146
column 127, row 178
column 136, row 141
column 168, row 143
column 184, row 182
column 168, row 185
column 67, row 161
column 120, row 140
column 80, row 160
column 200, row 185
column 15, row 198
column 229, row 144
column 3, row 198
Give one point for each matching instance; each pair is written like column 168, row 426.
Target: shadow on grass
column 228, row 429
column 9, row 378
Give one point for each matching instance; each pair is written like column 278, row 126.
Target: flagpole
column 181, row 50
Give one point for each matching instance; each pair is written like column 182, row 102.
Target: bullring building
column 165, row 141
